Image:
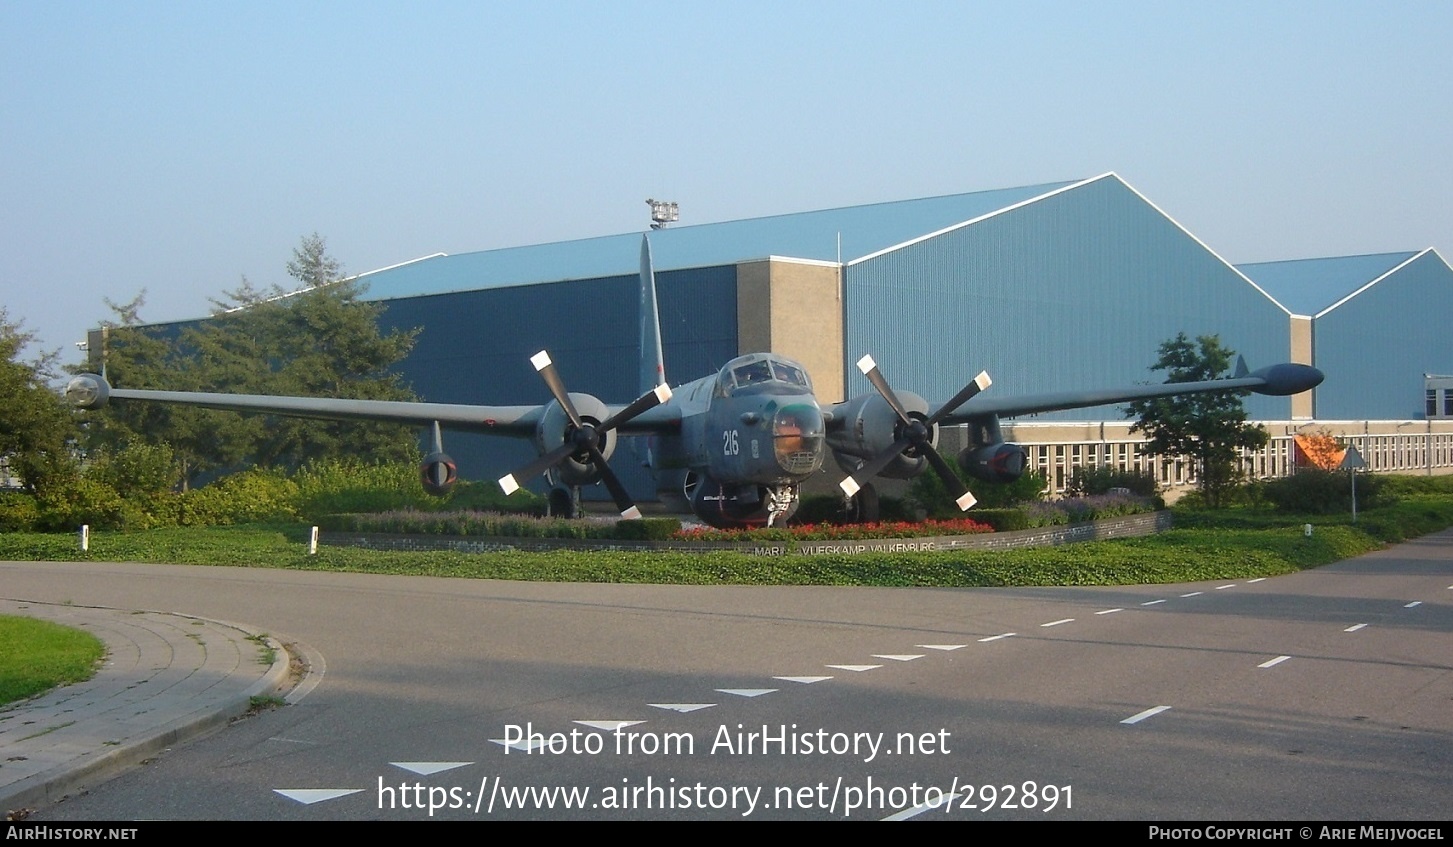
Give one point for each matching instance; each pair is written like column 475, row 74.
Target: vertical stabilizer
column 653, row 363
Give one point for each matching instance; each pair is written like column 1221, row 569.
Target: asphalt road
column 1322, row 695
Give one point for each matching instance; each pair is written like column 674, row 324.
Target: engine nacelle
column 1000, row 462
column 555, row 427
column 438, row 473
column 872, row 427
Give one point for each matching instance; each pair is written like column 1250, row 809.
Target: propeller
column 914, row 434
column 584, row 436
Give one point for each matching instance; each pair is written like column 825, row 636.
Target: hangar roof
column 1312, row 286
column 803, row 235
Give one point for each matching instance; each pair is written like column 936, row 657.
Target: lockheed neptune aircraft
column 747, row 437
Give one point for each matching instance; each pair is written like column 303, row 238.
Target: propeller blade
column 950, row 479
column 510, row 483
column 613, row 484
column 542, row 363
column 870, row 370
column 978, row 384
column 650, row 400
column 871, row 468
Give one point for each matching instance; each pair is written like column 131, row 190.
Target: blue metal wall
column 475, row 347
column 1077, row 290
column 1376, row 347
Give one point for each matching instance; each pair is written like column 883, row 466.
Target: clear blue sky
column 178, row 147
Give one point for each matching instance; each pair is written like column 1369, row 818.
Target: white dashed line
column 997, row 637
column 942, row 646
column 1109, row 611
column 1226, row 586
column 1151, row 602
column 1148, row 713
column 1193, row 593
column 1258, row 579
column 1354, row 627
column 915, row 811
column 1412, row 604
column 1269, row 663
column 1058, row 622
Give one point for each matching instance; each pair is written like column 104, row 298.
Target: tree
column 321, row 339
column 35, row 427
column 1209, row 428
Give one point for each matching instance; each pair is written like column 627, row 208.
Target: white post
column 85, row 537
column 313, row 543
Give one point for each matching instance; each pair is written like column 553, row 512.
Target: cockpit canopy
column 762, row 370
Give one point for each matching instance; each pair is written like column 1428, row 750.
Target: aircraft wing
column 1277, row 380
column 89, row 391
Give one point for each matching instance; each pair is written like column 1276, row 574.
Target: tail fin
column 653, row 363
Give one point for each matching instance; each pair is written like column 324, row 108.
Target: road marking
column 747, row 692
column 1148, row 713
column 683, row 708
column 429, row 768
column 1412, row 604
column 898, row 657
column 1152, row 602
column 1109, row 611
column 997, row 637
column 805, row 680
column 1193, row 593
column 1058, row 622
column 1273, row 662
column 608, row 726
column 855, row 668
column 1354, row 627
column 309, row 796
column 1258, row 579
column 955, row 646
column 929, row 806
column 1226, row 586
column 528, row 745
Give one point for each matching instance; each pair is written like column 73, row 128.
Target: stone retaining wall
column 1124, row 527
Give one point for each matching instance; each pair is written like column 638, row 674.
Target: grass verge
column 36, row 656
column 1208, row 545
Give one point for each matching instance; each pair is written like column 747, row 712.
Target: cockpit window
column 753, row 372
column 789, row 374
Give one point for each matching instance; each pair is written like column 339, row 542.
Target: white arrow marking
column 747, row 692
column 428, row 768
column 997, row 637
column 855, row 668
column 683, row 708
column 1273, row 662
column 805, row 680
column 1354, row 627
column 898, row 657
column 1148, row 713
column 309, row 796
column 915, row 811
column 608, row 726
column 526, row 745
column 942, row 646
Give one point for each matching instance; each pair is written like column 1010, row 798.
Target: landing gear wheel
column 563, row 503
column 863, row 507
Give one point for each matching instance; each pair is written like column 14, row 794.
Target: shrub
column 1100, row 480
column 1318, row 492
column 18, row 512
column 647, row 529
column 254, row 496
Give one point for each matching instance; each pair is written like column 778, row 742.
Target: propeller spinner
column 915, row 434
column 583, row 437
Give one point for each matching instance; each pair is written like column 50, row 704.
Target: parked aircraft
column 746, row 437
